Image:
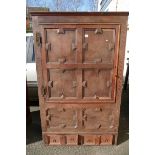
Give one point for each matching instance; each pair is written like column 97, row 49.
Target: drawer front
column 56, row 140
column 106, row 139
column 72, row 139
column 76, row 118
column 98, row 139
column 91, row 140
column 61, row 118
column 100, row 118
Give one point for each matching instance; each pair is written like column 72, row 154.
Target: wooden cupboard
column 79, row 60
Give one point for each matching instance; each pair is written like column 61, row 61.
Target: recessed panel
column 61, row 118
column 98, row 45
column 62, row 83
column 98, row 83
column 98, row 118
column 62, row 45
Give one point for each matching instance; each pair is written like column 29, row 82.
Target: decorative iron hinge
column 43, row 91
column 38, row 39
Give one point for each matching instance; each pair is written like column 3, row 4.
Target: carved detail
column 98, row 126
column 97, row 71
column 75, row 126
column 48, row 117
column 108, row 84
column 98, row 31
column 85, row 117
column 106, row 139
column 98, row 109
column 84, row 83
column 85, row 46
column 96, row 97
column 110, row 46
column 61, row 110
column 98, row 60
column 48, row 46
column 60, row 31
column 74, row 47
column 50, row 83
column 74, row 84
column 97, row 140
column 62, row 125
column 61, row 60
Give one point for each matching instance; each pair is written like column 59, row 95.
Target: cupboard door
column 79, row 62
column 100, row 49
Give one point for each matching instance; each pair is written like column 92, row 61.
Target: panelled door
column 80, row 62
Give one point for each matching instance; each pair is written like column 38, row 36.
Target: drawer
column 72, row 139
column 56, row 139
column 98, row 140
column 61, row 118
column 91, row 140
column 98, row 118
column 106, row 139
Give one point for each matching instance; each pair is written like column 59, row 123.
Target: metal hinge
column 38, row 39
column 43, row 91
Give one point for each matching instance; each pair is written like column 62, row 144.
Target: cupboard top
column 79, row 13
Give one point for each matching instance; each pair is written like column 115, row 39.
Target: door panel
column 62, row 83
column 99, row 83
column 99, row 45
column 63, row 45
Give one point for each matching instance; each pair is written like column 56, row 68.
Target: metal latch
column 43, row 91
column 38, row 38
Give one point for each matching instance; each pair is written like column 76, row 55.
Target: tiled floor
column 35, row 145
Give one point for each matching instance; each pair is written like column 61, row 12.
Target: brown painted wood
column 80, row 59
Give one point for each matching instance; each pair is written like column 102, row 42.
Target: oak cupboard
column 79, row 60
